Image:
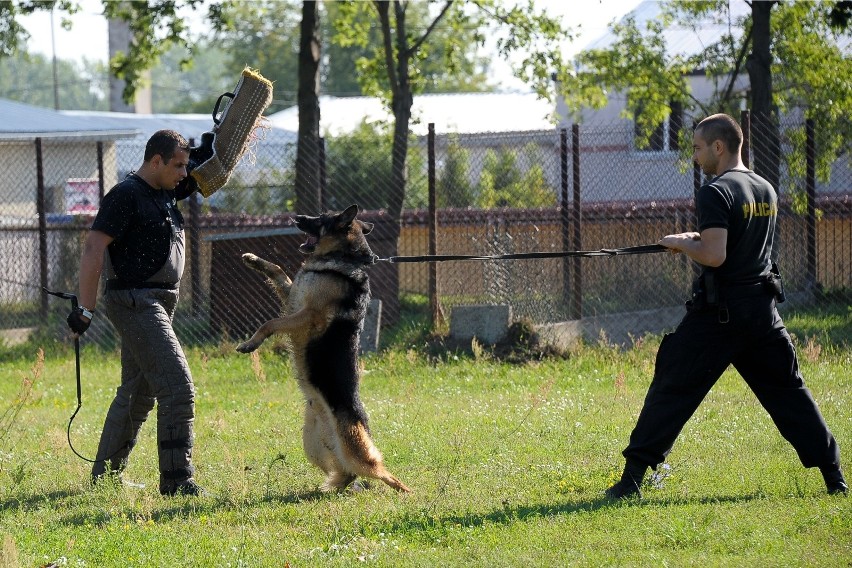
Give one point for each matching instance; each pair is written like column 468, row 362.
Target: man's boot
column 834, row 481
column 630, row 483
column 113, row 468
column 176, row 469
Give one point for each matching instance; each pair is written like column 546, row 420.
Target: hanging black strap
column 129, row 444
column 641, row 249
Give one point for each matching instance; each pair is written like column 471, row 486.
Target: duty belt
column 721, row 296
column 119, row 285
column 745, row 291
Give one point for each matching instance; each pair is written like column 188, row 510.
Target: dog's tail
column 364, row 457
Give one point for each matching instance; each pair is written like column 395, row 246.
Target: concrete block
column 562, row 335
column 372, row 325
column 621, row 329
column 17, row 336
column 488, row 323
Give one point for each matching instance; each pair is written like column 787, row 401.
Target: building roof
column 190, row 126
column 680, row 39
column 23, row 122
column 464, row 113
column 267, row 149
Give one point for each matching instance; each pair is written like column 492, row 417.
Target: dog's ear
column 366, row 227
column 345, row 219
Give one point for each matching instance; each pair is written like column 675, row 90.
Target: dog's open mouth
column 309, row 245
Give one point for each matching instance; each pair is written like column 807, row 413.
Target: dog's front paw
column 247, row 346
column 251, row 260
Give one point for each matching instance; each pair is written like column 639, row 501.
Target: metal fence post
column 101, row 188
column 745, row 123
column 810, row 190
column 323, row 175
column 577, row 288
column 565, row 219
column 42, row 226
column 434, row 304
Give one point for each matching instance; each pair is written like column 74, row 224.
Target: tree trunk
column 307, row 152
column 764, row 128
column 401, row 103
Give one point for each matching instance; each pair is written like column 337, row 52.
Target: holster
column 705, row 292
column 774, row 285
column 708, row 291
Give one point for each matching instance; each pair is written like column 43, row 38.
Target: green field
column 507, row 463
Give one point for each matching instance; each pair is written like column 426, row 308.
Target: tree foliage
column 264, row 35
column 29, row 79
column 454, row 188
column 504, row 184
column 190, row 84
column 12, row 34
column 156, row 26
column 394, row 71
column 818, row 83
column 359, row 169
column 810, row 67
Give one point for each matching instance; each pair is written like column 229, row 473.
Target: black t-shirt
column 747, row 206
column 142, row 221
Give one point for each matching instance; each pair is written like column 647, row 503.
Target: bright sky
column 88, row 36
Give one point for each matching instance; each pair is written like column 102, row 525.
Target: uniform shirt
column 747, row 206
column 146, row 227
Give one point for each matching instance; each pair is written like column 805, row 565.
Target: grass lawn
column 507, row 463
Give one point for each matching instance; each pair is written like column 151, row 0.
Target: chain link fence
column 584, row 188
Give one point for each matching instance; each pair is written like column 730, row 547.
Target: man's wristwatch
column 86, row 312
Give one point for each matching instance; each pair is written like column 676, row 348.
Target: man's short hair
column 165, row 143
column 721, row 127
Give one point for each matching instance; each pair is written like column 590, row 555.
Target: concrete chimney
column 119, row 41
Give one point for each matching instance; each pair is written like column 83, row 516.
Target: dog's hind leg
column 319, row 440
column 279, row 281
column 337, row 481
column 362, row 457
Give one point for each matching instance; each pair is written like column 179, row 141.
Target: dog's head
column 335, row 233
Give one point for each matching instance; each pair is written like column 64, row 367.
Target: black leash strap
column 641, row 249
column 73, row 298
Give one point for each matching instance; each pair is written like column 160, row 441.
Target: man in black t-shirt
column 137, row 241
column 731, row 320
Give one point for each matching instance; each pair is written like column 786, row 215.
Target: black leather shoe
column 186, row 487
column 631, row 480
column 624, row 489
column 835, row 484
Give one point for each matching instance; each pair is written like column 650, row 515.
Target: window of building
column 664, row 138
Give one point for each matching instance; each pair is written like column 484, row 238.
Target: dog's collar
column 338, row 263
column 360, row 259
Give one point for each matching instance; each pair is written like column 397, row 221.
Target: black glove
column 76, row 322
column 200, row 154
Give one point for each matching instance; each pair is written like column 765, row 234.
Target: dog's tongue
column 311, row 241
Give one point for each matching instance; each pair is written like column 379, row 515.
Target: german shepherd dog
column 325, row 307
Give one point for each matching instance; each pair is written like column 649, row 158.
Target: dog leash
column 73, row 298
column 641, row 249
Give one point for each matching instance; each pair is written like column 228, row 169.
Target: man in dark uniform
column 137, row 239
column 731, row 320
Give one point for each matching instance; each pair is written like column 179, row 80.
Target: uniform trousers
column 692, row 358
